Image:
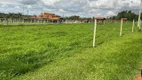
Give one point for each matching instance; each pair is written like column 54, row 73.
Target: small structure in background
column 100, row 19
column 124, row 19
column 48, row 16
column 85, row 20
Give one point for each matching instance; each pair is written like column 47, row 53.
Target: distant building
column 100, row 19
column 48, row 16
column 124, row 19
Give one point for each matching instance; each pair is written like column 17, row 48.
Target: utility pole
column 22, row 19
column 23, row 9
column 27, row 12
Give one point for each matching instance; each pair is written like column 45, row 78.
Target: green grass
column 64, row 52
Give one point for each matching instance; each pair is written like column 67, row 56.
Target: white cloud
column 9, row 2
column 50, row 2
column 101, row 4
column 110, row 13
column 71, row 7
column 61, row 10
column 17, row 7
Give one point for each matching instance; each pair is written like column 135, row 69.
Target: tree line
column 126, row 14
column 123, row 14
column 14, row 16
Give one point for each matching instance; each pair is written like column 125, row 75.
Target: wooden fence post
column 121, row 27
column 133, row 26
column 94, row 37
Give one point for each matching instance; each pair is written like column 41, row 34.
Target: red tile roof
column 49, row 16
column 100, row 18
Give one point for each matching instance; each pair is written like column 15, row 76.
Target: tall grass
column 25, row 49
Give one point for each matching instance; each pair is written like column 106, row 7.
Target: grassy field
column 64, row 52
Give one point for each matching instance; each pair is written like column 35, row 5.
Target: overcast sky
column 84, row 8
